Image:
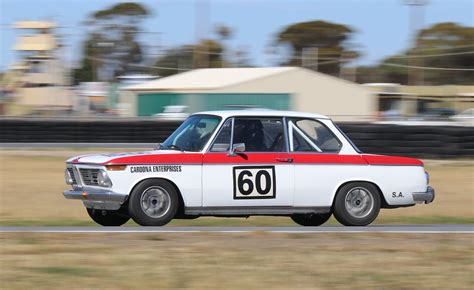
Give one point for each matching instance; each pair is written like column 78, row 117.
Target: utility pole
column 416, row 22
column 312, row 60
column 201, row 12
column 98, row 58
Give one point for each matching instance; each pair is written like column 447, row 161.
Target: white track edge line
column 240, row 231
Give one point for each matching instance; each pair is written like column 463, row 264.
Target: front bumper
column 98, row 198
column 426, row 197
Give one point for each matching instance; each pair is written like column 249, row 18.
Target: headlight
column 103, row 179
column 68, row 177
column 427, row 177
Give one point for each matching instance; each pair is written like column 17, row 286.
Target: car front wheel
column 357, row 204
column 153, row 202
column 108, row 218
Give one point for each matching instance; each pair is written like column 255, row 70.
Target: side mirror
column 237, row 148
column 157, row 147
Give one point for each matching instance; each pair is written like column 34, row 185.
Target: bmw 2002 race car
column 244, row 163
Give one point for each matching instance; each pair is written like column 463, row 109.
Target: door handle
column 284, row 159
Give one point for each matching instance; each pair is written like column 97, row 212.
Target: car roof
column 262, row 112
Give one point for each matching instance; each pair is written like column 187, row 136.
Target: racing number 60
column 246, row 185
column 254, row 182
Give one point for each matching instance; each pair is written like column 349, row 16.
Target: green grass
column 64, row 271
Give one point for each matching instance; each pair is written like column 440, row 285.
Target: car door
column 261, row 175
column 319, row 166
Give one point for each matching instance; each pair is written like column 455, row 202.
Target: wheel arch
column 384, row 203
column 181, row 204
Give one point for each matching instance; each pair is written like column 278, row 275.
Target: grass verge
column 237, row 261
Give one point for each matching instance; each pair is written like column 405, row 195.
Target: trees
column 86, row 72
column 446, row 43
column 223, row 31
column 173, row 61
column 112, row 47
column 445, row 50
column 321, row 41
column 206, row 54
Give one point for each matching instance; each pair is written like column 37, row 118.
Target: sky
column 382, row 27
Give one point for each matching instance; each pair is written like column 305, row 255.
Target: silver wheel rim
column 155, row 201
column 359, row 202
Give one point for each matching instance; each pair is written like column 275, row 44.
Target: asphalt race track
column 407, row 229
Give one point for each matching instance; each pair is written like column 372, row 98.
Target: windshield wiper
column 172, row 147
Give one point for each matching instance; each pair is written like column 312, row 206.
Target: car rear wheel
column 311, row 220
column 108, row 218
column 153, row 202
column 357, row 204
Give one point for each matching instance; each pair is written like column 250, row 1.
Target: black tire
column 346, row 216
column 158, row 195
column 311, row 220
column 108, row 218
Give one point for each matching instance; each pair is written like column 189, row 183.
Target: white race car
column 244, row 163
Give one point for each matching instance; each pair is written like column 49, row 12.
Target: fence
column 416, row 141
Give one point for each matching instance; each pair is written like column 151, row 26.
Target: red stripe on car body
column 242, row 158
column 265, row 158
column 187, row 158
column 328, row 159
column 391, row 160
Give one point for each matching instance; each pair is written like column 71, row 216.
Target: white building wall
column 315, row 92
column 45, row 97
column 127, row 103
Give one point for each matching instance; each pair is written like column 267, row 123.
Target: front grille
column 71, row 173
column 89, row 176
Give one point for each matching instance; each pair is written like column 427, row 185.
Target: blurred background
column 399, row 60
column 83, row 77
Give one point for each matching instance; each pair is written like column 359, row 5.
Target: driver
column 251, row 133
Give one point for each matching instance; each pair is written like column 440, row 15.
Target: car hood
column 142, row 157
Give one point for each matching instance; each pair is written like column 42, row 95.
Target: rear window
column 309, row 135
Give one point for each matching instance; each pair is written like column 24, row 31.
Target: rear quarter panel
column 319, row 183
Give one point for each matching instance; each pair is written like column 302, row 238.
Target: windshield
column 193, row 134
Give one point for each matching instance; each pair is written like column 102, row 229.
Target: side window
column 222, row 141
column 260, row 134
column 308, row 133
